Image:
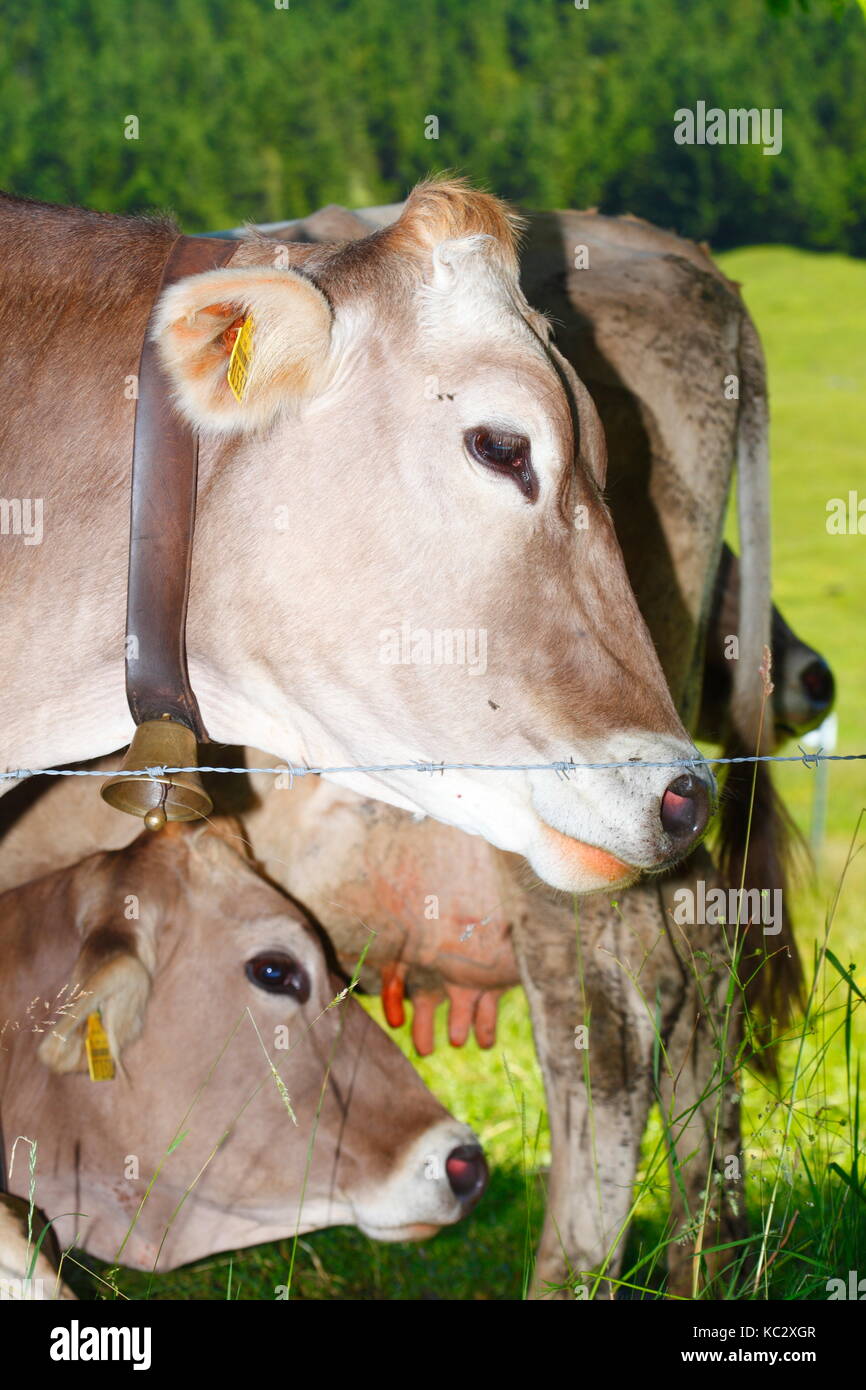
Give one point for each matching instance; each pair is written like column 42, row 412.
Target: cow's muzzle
column 467, row 1173
column 686, row 807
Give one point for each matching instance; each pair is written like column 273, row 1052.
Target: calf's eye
column 505, row 453
column 279, row 974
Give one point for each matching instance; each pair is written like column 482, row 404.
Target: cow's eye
column 279, row 974
column 504, row 453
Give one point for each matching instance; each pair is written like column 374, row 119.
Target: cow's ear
column 110, row 979
column 592, row 445
column 283, row 324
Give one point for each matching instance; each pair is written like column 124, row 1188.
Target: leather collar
column 164, row 473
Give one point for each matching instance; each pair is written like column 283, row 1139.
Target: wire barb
column 812, row 759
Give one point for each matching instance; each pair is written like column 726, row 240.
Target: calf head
column 427, row 569
column 264, row 1099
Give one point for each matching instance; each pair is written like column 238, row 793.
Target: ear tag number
column 240, row 360
column 100, row 1062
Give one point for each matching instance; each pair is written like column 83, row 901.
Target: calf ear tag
column 240, row 360
column 100, row 1062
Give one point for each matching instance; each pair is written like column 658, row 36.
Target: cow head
column 262, row 1103
column 403, row 552
column 804, row 688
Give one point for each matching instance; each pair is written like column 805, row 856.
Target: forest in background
column 246, row 110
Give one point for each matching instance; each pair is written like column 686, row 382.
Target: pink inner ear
column 229, row 335
column 223, row 311
column 220, row 311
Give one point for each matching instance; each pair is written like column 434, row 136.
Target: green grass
column 809, row 312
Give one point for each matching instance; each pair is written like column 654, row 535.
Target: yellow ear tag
column 240, row 360
column 100, row 1063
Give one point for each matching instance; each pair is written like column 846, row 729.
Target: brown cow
column 437, row 914
column 348, row 500
column 231, row 1065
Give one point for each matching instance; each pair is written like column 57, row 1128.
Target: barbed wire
column 562, row 768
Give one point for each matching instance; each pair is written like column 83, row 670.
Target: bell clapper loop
column 156, row 817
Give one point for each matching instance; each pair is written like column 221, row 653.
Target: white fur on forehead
column 472, row 292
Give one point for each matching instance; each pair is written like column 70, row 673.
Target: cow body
column 257, row 1104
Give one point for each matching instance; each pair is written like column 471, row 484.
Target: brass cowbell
column 175, row 796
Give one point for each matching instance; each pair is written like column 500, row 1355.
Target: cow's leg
column 699, row 1099
column 597, row 969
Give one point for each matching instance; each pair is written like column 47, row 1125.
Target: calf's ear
column 284, row 324
column 111, row 979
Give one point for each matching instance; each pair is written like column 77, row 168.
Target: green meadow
column 804, row 1180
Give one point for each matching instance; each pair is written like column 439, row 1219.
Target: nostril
column 685, row 808
column 466, row 1168
column 817, row 681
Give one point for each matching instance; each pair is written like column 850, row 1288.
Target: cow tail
column 754, row 852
